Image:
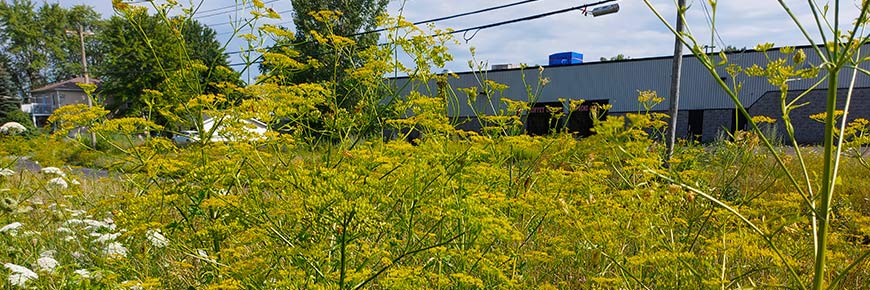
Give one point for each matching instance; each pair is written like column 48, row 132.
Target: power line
column 428, row 20
column 216, row 11
column 472, row 13
column 527, row 18
column 231, row 21
column 231, row 6
column 453, row 16
column 200, row 14
column 712, row 25
column 481, row 27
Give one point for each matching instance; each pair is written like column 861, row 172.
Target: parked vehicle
column 185, row 137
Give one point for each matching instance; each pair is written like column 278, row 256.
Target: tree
column 10, row 103
column 355, row 16
column 147, row 52
column 617, row 57
column 730, row 48
column 36, row 44
column 8, row 100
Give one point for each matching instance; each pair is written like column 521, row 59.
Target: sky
column 634, row 31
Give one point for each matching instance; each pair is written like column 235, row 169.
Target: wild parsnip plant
column 330, row 204
column 494, row 112
column 838, row 43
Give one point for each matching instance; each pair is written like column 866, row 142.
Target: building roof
column 67, row 85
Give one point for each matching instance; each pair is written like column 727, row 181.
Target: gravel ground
column 26, row 164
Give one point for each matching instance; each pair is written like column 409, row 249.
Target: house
column 46, row 99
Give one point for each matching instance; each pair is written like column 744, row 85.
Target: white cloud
column 634, row 31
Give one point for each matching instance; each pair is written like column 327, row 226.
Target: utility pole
column 675, row 82
column 81, row 33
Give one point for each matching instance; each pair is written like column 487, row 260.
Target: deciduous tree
column 617, row 57
column 354, row 17
column 148, row 52
column 35, row 42
column 10, row 103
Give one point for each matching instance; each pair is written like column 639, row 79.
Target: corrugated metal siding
column 620, row 81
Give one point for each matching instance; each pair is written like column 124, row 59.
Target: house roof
column 67, row 85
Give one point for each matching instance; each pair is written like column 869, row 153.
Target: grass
column 506, row 212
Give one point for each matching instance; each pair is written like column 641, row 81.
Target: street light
column 606, row 9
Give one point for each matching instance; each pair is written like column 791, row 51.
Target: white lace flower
column 105, row 238
column 6, row 172
column 115, row 250
column 93, row 225
column 49, row 253
column 12, row 128
column 202, row 254
column 156, row 238
column 84, row 273
column 74, row 221
column 46, row 263
column 75, row 212
column 12, row 228
column 132, row 285
column 59, row 182
column 52, row 170
column 20, row 274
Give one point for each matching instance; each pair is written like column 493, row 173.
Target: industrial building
column 705, row 111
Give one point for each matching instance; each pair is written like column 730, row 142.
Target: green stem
column 827, row 181
column 343, row 248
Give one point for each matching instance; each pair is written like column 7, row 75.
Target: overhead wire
column 213, row 12
column 231, row 6
column 737, row 54
column 218, row 11
column 427, row 20
column 453, row 16
column 415, row 23
column 713, row 29
column 527, row 18
column 231, row 21
column 208, row 12
column 481, row 27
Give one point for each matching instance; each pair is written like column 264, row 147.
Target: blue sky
column 634, row 31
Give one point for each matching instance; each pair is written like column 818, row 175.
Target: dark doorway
column 540, row 119
column 696, row 124
column 580, row 121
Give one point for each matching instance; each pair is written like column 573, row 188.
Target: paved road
column 27, row 164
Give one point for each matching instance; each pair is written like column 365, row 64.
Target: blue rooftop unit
column 566, row 58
